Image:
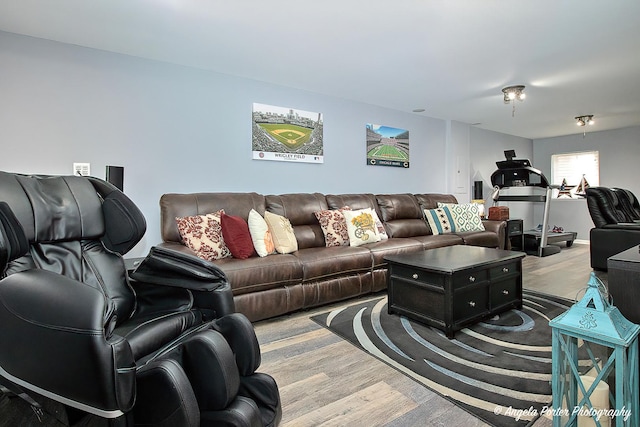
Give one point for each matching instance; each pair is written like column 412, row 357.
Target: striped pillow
column 440, row 220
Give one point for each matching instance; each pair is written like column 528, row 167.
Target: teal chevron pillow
column 466, row 216
column 440, row 220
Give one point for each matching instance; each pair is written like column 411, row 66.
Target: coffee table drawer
column 504, row 270
column 471, row 302
column 504, row 292
column 412, row 273
column 469, row 278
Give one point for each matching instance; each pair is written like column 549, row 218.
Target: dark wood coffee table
column 452, row 287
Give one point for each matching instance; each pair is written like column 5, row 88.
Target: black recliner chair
column 160, row 348
column 615, row 213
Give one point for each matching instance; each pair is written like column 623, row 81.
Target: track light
column 583, row 121
column 511, row 93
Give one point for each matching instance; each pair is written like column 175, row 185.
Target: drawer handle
column 472, row 304
column 505, row 292
column 505, row 270
column 415, row 275
column 472, row 279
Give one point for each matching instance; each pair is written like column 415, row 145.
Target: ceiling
column 450, row 58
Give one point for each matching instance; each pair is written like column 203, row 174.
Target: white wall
column 179, row 129
column 619, row 152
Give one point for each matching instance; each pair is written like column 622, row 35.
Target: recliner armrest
column 70, row 351
column 163, row 266
column 628, row 226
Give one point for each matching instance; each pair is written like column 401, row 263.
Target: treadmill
column 518, row 173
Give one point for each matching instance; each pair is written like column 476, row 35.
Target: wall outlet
column 82, row 169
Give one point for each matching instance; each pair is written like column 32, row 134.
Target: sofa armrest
column 498, row 227
column 72, row 355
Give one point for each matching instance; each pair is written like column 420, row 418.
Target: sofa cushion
column 235, row 232
column 466, row 216
column 179, row 205
column 440, row 220
column 361, row 227
column 300, row 209
column 431, row 200
column 203, row 234
column 334, row 226
column 439, row 240
column 323, row 262
column 402, row 215
column 281, row 230
column 393, row 246
column 487, row 239
column 260, row 234
column 356, row 202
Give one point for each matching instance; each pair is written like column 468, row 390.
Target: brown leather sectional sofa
column 315, row 274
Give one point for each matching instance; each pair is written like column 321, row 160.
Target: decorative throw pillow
column 260, row 234
column 466, row 216
column 382, row 232
column 334, row 226
column 361, row 227
column 440, row 220
column 235, row 231
column 282, row 233
column 203, row 234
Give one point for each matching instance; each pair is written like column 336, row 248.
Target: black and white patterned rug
column 499, row 369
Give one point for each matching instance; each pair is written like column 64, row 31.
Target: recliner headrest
column 53, row 208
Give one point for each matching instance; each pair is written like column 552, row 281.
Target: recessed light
column 418, row 110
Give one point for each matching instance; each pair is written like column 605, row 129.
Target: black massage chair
column 156, row 346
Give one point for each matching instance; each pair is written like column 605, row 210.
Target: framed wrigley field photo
column 286, row 135
column 387, row 146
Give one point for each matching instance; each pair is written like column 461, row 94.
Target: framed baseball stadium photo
column 286, row 135
column 387, row 146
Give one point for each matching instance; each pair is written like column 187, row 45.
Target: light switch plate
column 82, row 169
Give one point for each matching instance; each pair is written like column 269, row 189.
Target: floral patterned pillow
column 334, row 226
column 203, row 234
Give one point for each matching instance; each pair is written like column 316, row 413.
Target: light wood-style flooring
column 325, row 381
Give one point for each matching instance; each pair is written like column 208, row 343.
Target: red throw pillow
column 235, row 232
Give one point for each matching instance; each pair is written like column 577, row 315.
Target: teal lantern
column 595, row 363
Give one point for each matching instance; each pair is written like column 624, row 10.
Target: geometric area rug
column 499, row 369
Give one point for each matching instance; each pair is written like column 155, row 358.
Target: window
column 576, row 171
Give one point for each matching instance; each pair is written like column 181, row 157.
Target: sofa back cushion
column 354, row 201
column 430, row 201
column 300, row 209
column 402, row 215
column 183, row 205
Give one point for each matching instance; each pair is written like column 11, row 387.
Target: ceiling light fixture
column 511, row 93
column 583, row 121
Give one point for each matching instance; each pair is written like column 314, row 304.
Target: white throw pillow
column 361, row 227
column 282, row 233
column 260, row 234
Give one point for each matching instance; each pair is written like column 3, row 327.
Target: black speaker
column 115, row 176
column 477, row 190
